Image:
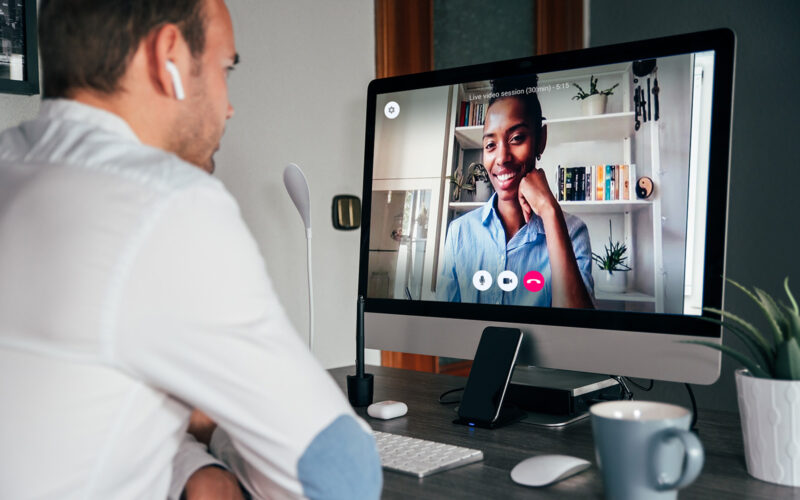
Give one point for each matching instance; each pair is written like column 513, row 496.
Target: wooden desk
column 724, row 474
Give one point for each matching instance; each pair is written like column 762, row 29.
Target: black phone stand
column 508, row 415
column 491, row 371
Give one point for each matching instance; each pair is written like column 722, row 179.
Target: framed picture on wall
column 19, row 60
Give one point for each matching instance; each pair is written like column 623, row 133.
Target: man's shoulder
column 93, row 151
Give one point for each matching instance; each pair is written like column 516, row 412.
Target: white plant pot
column 615, row 282
column 594, row 105
column 770, row 414
column 483, row 190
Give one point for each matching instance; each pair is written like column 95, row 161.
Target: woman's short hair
column 523, row 88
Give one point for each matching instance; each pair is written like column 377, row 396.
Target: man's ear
column 168, row 46
column 542, row 140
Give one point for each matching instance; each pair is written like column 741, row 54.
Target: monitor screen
column 589, row 182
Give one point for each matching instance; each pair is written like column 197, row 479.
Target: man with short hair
column 132, row 292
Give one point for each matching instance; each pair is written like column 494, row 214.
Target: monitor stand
column 555, row 398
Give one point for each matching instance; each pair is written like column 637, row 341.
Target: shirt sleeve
column 200, row 320
column 582, row 246
column 447, row 281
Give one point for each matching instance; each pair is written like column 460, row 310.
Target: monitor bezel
column 722, row 42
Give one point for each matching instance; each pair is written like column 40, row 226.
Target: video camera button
column 507, row 281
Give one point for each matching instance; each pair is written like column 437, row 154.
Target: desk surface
column 724, row 474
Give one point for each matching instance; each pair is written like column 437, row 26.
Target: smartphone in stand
column 482, row 402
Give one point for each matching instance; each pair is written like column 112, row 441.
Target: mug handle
column 693, row 458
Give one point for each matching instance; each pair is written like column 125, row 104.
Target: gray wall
column 763, row 238
column 300, row 96
column 476, row 31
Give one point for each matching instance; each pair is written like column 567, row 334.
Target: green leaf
column 787, row 360
column 791, row 297
column 777, row 332
column 749, row 327
column 748, row 363
column 794, row 323
column 774, row 314
column 762, row 353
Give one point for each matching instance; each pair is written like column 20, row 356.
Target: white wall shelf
column 604, row 207
column 463, row 206
column 629, row 296
column 607, row 127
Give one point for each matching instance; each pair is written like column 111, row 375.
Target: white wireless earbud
column 177, row 85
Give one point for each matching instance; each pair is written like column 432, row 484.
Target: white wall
column 300, row 96
column 411, row 145
column 17, row 108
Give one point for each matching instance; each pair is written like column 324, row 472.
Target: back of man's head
column 88, row 44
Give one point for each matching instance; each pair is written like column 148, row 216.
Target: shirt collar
column 69, row 110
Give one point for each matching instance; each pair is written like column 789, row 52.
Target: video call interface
column 583, row 188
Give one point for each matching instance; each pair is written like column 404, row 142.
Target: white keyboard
column 419, row 457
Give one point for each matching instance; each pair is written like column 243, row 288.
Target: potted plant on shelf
column 768, row 386
column 594, row 101
column 613, row 260
column 476, row 180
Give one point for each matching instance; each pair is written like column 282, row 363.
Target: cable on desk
column 640, row 386
column 693, row 426
column 445, row 393
column 624, row 391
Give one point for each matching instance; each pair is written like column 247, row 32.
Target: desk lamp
column 297, row 187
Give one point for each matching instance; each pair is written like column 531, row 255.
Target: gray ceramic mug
column 644, row 449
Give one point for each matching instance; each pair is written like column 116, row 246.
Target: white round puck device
column 387, row 409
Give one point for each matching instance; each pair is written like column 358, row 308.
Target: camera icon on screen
column 507, row 281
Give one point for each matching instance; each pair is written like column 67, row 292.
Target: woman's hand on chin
column 534, row 195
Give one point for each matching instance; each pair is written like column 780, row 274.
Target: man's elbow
column 341, row 462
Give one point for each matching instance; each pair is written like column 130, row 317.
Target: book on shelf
column 471, row 113
column 596, row 183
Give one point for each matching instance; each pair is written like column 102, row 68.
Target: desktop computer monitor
column 500, row 195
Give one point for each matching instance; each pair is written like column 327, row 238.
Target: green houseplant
column 594, row 101
column 778, row 358
column 613, row 260
column 476, row 180
column 769, row 386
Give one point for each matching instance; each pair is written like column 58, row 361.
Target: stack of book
column 472, row 113
column 597, row 183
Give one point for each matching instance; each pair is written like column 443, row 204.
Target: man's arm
column 200, row 320
column 212, row 483
column 566, row 281
column 196, row 475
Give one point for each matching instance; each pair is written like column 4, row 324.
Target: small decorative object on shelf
column 614, row 260
column 594, row 101
column 644, row 188
column 476, row 180
column 768, row 386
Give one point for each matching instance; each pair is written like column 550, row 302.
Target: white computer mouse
column 543, row 470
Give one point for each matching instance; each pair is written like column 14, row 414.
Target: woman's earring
column 539, row 157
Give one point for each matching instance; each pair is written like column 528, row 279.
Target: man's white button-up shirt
column 131, row 292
